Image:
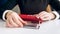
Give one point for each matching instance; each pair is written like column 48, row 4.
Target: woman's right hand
column 13, row 20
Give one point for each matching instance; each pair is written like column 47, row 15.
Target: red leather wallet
column 30, row 18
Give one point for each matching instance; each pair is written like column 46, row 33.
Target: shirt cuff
column 4, row 14
column 56, row 14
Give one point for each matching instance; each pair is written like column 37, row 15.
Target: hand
column 13, row 20
column 45, row 15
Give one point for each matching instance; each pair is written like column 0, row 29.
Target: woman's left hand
column 45, row 15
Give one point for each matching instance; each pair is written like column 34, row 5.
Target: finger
column 43, row 13
column 21, row 20
column 17, row 21
column 11, row 22
column 45, row 17
column 24, row 22
column 9, row 19
column 8, row 24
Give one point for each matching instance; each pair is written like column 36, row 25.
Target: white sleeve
column 57, row 15
column 3, row 16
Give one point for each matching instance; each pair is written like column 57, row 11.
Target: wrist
column 56, row 15
column 5, row 14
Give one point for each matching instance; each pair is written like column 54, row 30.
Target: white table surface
column 50, row 27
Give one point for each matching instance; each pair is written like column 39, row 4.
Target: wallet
column 34, row 21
